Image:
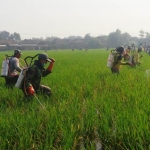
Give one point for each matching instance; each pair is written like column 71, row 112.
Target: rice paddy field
column 90, row 108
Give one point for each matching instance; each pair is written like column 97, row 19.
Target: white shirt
column 14, row 66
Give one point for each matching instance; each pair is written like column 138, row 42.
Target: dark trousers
column 45, row 90
column 114, row 70
column 11, row 81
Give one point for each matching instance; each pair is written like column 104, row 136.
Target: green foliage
column 88, row 105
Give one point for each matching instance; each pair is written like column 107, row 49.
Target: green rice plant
column 89, row 106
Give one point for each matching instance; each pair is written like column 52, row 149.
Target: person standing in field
column 116, row 66
column 128, row 49
column 133, row 47
column 31, row 83
column 14, row 69
column 136, row 57
column 145, row 46
column 126, row 53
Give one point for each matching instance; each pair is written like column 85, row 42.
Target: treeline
column 112, row 40
column 5, row 35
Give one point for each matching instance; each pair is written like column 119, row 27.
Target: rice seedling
column 90, row 108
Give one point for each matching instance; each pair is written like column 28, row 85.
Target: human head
column 139, row 49
column 129, row 47
column 120, row 49
column 43, row 58
column 17, row 53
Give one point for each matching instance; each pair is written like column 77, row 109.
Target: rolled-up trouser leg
column 45, row 90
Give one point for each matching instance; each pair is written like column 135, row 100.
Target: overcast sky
column 63, row 18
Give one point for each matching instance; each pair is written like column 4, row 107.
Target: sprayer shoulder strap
column 10, row 59
column 32, row 71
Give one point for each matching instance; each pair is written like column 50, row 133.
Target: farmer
column 133, row 47
column 118, row 60
column 136, row 56
column 14, row 68
column 128, row 49
column 31, row 83
column 126, row 53
column 145, row 46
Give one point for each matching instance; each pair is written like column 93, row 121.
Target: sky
column 64, row 18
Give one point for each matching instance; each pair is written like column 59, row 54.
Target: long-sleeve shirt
column 118, row 61
column 135, row 57
column 34, row 74
column 14, row 67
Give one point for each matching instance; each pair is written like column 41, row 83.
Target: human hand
column 52, row 59
column 130, row 64
column 141, row 56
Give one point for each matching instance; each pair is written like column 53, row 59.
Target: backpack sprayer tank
column 20, row 78
column 110, row 59
column 5, row 67
column 23, row 71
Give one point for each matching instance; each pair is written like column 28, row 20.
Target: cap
column 44, row 56
column 17, row 51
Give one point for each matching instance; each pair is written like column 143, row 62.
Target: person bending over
column 118, row 60
column 31, row 83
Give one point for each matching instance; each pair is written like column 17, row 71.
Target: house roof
column 41, row 43
column 5, row 42
column 28, row 41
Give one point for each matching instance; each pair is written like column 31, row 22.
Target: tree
column 116, row 39
column 11, row 37
column 141, row 33
column 126, row 38
column 4, row 35
column 112, row 40
column 17, row 37
column 72, row 37
column 103, row 40
column 49, row 39
column 118, row 32
column 79, row 37
column 87, row 37
column 147, row 34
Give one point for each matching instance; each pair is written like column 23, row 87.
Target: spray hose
column 24, row 71
column 34, row 94
column 20, row 63
column 39, row 101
